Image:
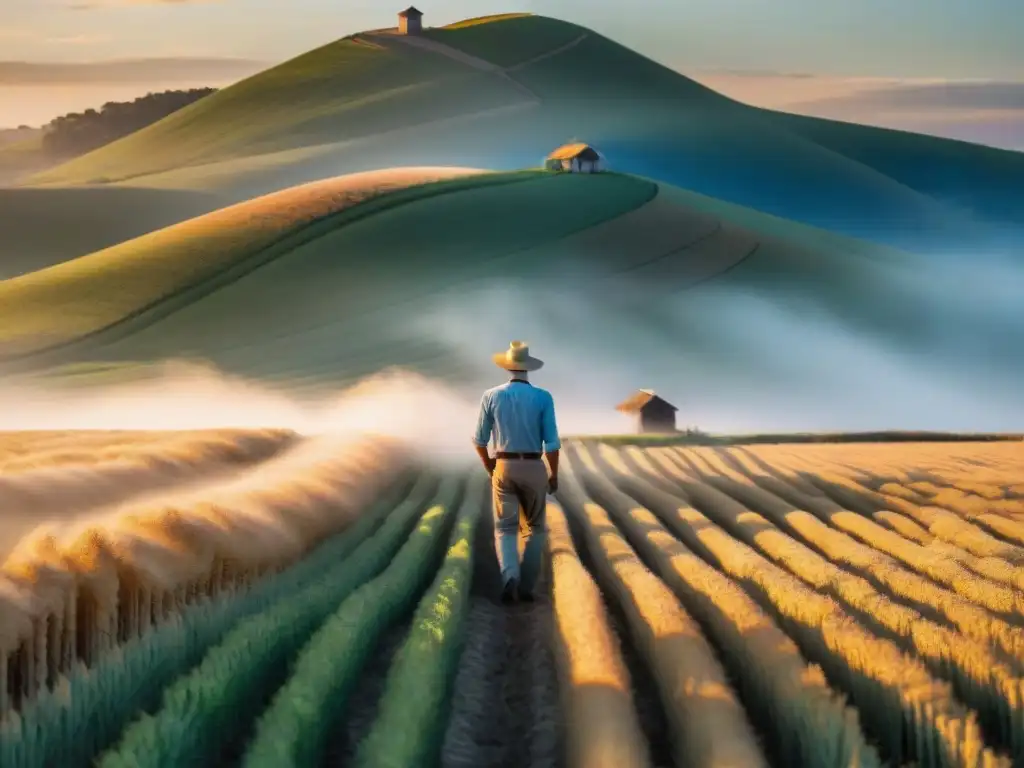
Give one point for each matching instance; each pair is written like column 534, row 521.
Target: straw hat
column 517, row 358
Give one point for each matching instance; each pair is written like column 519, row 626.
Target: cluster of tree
column 80, row 132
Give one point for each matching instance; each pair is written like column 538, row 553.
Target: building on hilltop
column 652, row 413
column 575, row 158
column 410, row 21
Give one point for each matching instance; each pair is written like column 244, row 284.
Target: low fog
column 731, row 361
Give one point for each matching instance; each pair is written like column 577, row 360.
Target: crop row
column 175, row 576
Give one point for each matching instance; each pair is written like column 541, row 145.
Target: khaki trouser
column 520, row 488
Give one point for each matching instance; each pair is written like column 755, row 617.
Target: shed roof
column 640, row 400
column 571, row 151
column 410, row 11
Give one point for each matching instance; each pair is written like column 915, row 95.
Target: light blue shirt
column 521, row 417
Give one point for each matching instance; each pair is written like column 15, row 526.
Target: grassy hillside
column 372, row 100
column 68, row 301
column 344, row 90
column 43, row 227
column 983, row 179
column 647, row 277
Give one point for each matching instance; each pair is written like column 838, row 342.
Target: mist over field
column 732, row 360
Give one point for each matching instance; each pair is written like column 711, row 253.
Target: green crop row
column 215, row 702
column 84, row 714
column 294, row 730
column 410, row 723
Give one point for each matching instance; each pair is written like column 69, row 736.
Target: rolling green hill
column 307, row 290
column 43, row 227
column 500, row 92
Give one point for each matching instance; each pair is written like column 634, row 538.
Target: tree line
column 79, row 132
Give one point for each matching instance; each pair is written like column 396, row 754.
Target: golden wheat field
column 258, row 598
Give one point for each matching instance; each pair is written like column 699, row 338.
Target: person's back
column 521, row 419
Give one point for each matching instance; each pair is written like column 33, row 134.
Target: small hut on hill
column 575, row 158
column 652, row 413
column 410, row 21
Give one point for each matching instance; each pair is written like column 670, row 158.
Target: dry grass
column 988, row 681
column 774, row 609
column 75, row 591
column 805, row 720
column 708, row 724
column 602, row 724
column 887, row 684
column 56, row 485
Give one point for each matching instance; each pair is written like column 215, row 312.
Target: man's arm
column 482, row 436
column 552, row 444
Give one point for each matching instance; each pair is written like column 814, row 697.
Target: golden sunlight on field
column 271, row 599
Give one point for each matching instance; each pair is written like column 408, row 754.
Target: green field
column 43, row 227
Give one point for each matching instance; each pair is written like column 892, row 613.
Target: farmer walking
column 521, row 418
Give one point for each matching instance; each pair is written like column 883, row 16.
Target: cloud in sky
column 142, row 72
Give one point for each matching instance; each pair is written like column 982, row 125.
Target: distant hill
column 500, row 92
column 622, row 281
column 31, row 150
column 17, row 135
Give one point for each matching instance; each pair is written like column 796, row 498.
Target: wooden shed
column 410, row 21
column 652, row 413
column 575, row 158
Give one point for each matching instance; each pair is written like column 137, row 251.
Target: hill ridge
column 649, row 119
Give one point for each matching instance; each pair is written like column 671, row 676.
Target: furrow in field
column 1000, row 517
column 476, row 734
column 782, row 482
column 708, row 724
column 530, row 681
column 295, row 728
column 55, row 492
column 355, row 723
column 409, row 726
column 880, row 679
column 215, row 704
column 765, row 493
column 988, row 683
column 902, row 585
column 989, row 510
column 124, row 683
column 158, row 580
column 941, row 523
column 601, row 722
column 803, row 721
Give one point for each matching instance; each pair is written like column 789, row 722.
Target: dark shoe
column 509, row 592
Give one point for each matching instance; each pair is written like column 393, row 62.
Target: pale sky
column 846, row 44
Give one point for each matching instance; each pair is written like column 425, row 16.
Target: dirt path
column 553, row 52
column 426, row 44
column 505, row 708
column 455, row 54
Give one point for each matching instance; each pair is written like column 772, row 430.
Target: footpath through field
column 469, row 60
